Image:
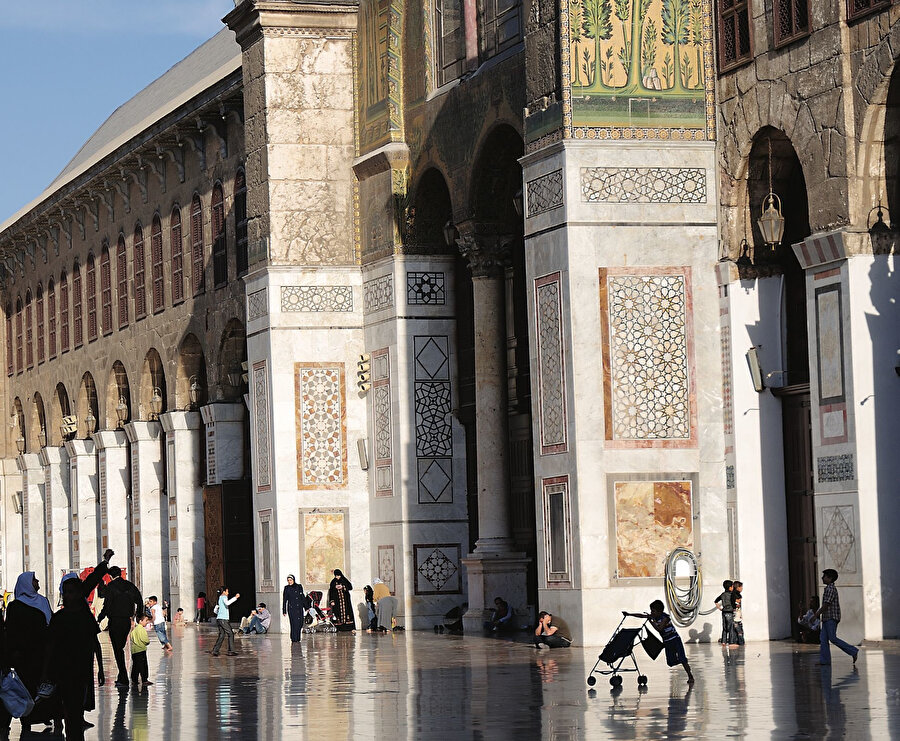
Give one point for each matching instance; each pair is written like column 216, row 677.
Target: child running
column 671, row 640
column 140, row 669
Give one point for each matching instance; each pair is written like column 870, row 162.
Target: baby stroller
column 317, row 619
column 621, row 648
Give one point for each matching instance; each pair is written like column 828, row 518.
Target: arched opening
column 232, row 355
column 37, row 430
column 118, row 398
column 190, row 381
column 428, row 216
column 61, row 408
column 87, row 410
column 153, row 396
column 20, row 438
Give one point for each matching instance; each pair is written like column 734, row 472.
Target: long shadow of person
column 678, row 712
column 119, row 728
column 835, row 712
column 139, row 703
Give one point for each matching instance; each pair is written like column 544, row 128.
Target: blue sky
column 68, row 64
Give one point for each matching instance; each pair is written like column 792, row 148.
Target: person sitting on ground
column 551, row 632
column 810, row 625
column 501, row 616
column 179, row 616
column 159, row 622
column 662, row 623
column 257, row 622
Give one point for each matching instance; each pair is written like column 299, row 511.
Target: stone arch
column 432, row 208
column 87, row 408
column 153, row 378
column 191, row 367
column 38, row 423
column 232, row 353
column 497, row 178
column 60, row 408
column 19, row 427
column 118, row 391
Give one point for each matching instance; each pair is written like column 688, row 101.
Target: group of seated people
column 551, row 631
column 809, row 623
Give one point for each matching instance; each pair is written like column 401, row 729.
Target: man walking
column 830, row 612
column 121, row 604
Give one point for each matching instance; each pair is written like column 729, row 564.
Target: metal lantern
column 771, row 222
column 451, row 234
column 156, row 402
column 122, row 411
column 42, row 438
column 194, row 391
column 20, row 444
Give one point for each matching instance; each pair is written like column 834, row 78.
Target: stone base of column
column 489, row 576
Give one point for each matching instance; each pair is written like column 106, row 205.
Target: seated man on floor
column 551, row 632
column 257, row 622
column 501, row 617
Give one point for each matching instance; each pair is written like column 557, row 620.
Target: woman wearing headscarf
column 292, row 603
column 386, row 606
column 340, row 604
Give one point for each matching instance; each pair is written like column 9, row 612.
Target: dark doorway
column 228, row 511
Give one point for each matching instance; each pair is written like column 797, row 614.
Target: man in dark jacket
column 121, row 603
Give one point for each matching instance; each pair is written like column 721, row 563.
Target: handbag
column 15, row 695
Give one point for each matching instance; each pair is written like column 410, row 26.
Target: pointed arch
column 87, row 408
column 191, row 371
column 118, row 397
column 59, row 409
column 20, row 427
column 153, row 382
column 232, row 353
column 38, row 424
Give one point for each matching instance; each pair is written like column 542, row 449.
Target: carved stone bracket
column 486, row 253
column 176, row 157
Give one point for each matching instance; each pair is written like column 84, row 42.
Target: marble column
column 57, row 509
column 224, row 442
column 85, row 509
column 34, row 527
column 493, row 568
column 11, row 491
column 149, row 508
column 187, row 543
column 113, row 478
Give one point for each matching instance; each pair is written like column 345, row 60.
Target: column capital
column 138, row 431
column 250, row 18
column 172, row 421
column 222, row 411
column 79, row 447
column 28, row 461
column 106, row 439
column 53, row 455
column 485, row 249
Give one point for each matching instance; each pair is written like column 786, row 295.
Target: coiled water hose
column 684, row 602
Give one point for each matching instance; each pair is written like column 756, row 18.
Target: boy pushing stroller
column 671, row 640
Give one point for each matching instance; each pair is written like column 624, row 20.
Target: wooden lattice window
column 791, row 21
column 859, row 8
column 177, row 245
column 140, row 278
column 122, row 281
column 242, row 253
column 198, row 278
column 106, row 320
column 39, row 310
column 29, row 331
column 449, row 30
column 90, row 279
column 735, row 41
column 51, row 320
column 502, row 27
column 220, row 249
column 63, row 313
column 10, row 356
column 77, row 309
column 156, row 260
column 20, row 365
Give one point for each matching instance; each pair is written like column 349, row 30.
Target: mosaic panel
column 386, row 566
column 437, row 569
column 544, row 193
column 551, row 366
column 643, row 185
column 435, row 477
column 833, row 468
column 727, row 401
column 840, row 537
column 730, row 481
column 378, row 293
column 324, row 539
column 257, row 304
column 321, row 426
column 316, row 298
column 646, row 358
column 261, row 410
column 425, row 289
column 381, row 407
column 830, row 344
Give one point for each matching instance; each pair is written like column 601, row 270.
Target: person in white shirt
column 159, row 622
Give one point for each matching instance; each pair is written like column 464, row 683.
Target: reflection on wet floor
column 426, row 686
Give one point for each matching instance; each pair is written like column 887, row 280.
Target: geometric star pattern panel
column 378, row 293
column 643, row 185
column 316, row 298
column 381, row 407
column 321, row 426
column 550, row 365
column 261, row 407
column 834, row 468
column 437, row 569
column 840, row 537
column 257, row 304
column 646, row 354
column 544, row 193
column 425, row 289
column 433, row 428
column 386, row 566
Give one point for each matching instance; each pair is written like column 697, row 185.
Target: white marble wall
column 113, row 483
column 33, row 513
column 224, row 430
column 59, row 524
column 10, row 523
column 84, row 490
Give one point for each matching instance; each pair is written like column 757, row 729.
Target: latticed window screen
column 10, row 358
column 220, row 253
column 240, row 223
column 39, row 310
column 51, row 320
column 734, row 33
column 859, row 8
column 77, row 308
column 20, row 366
column 791, row 20
column 140, row 278
column 502, row 25
column 90, row 279
column 63, row 313
column 177, row 246
column 29, row 332
column 122, row 281
column 198, row 279
column 156, row 259
column 106, row 320
column 449, row 30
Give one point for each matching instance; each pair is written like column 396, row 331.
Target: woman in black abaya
column 340, row 603
column 292, row 605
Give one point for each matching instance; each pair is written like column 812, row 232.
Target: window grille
column 91, row 286
column 220, row 250
column 10, row 356
column 20, row 366
column 140, row 279
column 449, row 32
column 860, row 8
column 122, row 281
column 51, row 320
column 63, row 313
column 198, row 279
column 502, row 27
column 39, row 309
column 77, row 316
column 156, row 259
column 240, row 223
column 29, row 332
column 106, row 321
column 177, row 257
column 791, row 21
column 735, row 43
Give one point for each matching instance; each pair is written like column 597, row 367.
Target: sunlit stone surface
column 426, row 686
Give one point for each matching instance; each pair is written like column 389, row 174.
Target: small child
column 725, row 603
column 139, row 642
column 200, row 617
column 671, row 640
column 737, row 597
column 370, row 608
column 179, row 616
column 159, row 622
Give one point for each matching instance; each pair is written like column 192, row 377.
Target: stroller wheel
column 591, row 680
column 616, row 681
column 642, row 680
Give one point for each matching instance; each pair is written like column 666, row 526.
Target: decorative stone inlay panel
column 834, row 468
column 381, row 407
column 257, row 304
column 647, row 349
column 378, row 293
column 730, row 481
column 643, row 185
column 261, row 410
column 425, row 289
column 544, row 193
column 840, row 536
column 551, row 366
column 321, row 426
column 316, row 298
column 437, row 569
column 386, row 566
column 434, row 434
column 435, row 477
column 727, row 402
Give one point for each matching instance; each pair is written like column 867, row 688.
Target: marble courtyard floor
column 427, row 686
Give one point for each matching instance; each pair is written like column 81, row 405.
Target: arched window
column 177, row 256
column 220, row 250
column 51, row 320
column 106, row 324
column 240, row 222
column 77, row 310
column 10, row 357
column 122, row 282
column 20, row 366
column 140, row 279
column 39, row 309
column 156, row 262
column 29, row 331
column 63, row 313
column 198, row 279
column 91, row 286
